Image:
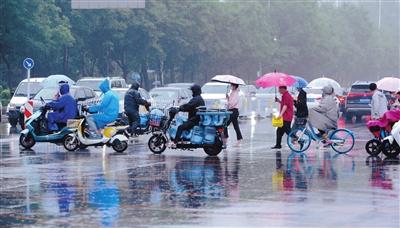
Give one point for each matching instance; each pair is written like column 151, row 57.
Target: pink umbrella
column 275, row 79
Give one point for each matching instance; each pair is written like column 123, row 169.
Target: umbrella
column 228, row 79
column 319, row 83
column 300, row 82
column 390, row 84
column 55, row 80
column 275, row 79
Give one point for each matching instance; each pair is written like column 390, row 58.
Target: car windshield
column 360, row 88
column 93, row 84
column 50, row 93
column 22, row 89
column 164, row 94
column 218, row 89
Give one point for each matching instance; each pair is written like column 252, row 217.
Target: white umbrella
column 319, row 83
column 390, row 84
column 228, row 79
column 54, row 80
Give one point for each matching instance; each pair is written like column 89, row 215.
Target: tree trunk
column 65, row 60
column 145, row 76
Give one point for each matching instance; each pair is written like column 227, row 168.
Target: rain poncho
column 326, row 115
column 107, row 110
column 379, row 105
column 64, row 107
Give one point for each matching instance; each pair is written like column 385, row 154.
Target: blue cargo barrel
column 197, row 135
column 144, row 119
column 209, row 135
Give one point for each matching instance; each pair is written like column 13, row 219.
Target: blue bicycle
column 299, row 139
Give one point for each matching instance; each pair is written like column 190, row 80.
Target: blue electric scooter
column 36, row 130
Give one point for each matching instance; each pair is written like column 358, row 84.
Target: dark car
column 358, row 101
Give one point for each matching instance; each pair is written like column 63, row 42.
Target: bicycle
column 341, row 140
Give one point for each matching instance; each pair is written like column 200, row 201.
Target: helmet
column 136, row 78
column 196, row 90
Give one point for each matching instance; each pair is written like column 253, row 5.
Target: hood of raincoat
column 327, row 90
column 135, row 85
column 64, row 89
column 196, row 90
column 105, row 86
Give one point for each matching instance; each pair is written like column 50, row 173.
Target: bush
column 5, row 96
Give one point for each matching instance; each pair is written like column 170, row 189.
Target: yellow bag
column 277, row 122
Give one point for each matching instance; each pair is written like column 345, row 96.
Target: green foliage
column 194, row 40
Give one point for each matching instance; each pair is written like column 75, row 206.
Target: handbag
column 277, row 121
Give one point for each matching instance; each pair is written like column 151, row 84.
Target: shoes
column 172, row 145
column 276, row 147
column 238, row 143
column 327, row 143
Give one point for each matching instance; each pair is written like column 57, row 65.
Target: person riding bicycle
column 65, row 108
column 325, row 116
column 191, row 108
column 132, row 100
column 106, row 112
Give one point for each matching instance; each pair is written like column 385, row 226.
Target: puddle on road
column 161, row 190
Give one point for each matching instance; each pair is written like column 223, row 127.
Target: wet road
column 250, row 186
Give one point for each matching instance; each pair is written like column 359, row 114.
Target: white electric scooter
column 113, row 135
column 390, row 146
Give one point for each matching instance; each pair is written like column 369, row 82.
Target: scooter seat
column 111, row 124
column 121, row 128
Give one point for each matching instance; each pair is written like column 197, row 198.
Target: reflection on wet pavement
column 246, row 187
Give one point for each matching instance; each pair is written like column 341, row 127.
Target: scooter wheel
column 70, row 143
column 390, row 151
column 119, row 146
column 157, row 144
column 215, row 149
column 26, row 141
column 372, row 147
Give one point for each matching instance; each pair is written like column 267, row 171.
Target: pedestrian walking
column 286, row 112
column 379, row 103
column 233, row 106
column 301, row 113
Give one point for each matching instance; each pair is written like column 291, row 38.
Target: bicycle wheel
column 299, row 140
column 342, row 140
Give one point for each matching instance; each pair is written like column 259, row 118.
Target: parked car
column 19, row 98
column 183, row 85
column 167, row 96
column 358, row 101
column 214, row 95
column 121, row 94
column 94, row 82
column 84, row 96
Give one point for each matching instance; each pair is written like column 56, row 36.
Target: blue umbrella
column 300, row 82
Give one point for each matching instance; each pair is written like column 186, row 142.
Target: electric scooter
column 207, row 134
column 390, row 146
column 36, row 130
column 113, row 135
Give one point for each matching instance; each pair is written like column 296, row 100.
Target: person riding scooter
column 132, row 100
column 191, row 108
column 106, row 111
column 65, row 108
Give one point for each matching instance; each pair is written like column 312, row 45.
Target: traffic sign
column 28, row 63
